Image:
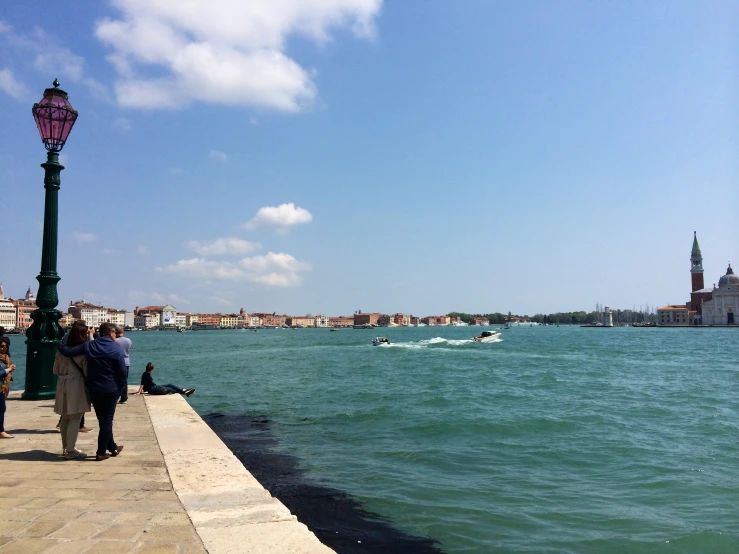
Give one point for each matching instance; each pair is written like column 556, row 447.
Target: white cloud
column 48, row 56
column 11, row 86
column 108, row 251
column 218, row 156
column 142, row 250
column 222, row 51
column 224, row 246
column 282, row 217
column 83, row 238
column 271, row 269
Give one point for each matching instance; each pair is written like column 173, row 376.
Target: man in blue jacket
column 106, row 375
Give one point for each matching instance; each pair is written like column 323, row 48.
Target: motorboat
column 380, row 341
column 486, row 336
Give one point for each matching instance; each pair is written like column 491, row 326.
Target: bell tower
column 696, row 265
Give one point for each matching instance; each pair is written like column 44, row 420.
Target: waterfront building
column 207, row 320
column 341, row 321
column 415, row 320
column 300, row 321
column 116, row 317
column 271, row 320
column 147, row 317
column 437, row 320
column 66, row 320
column 321, row 321
column 23, row 310
column 675, row 314
column 169, row 316
column 91, row 314
column 191, row 319
column 128, row 319
column 181, row 319
column 252, row 320
column 146, row 320
column 229, row 321
column 8, row 312
column 480, row 321
column 366, row 319
column 723, row 307
column 402, row 319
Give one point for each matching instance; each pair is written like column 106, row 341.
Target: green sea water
column 555, row 439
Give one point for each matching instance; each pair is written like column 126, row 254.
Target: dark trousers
column 124, row 391
column 166, row 389
column 104, row 404
column 2, row 412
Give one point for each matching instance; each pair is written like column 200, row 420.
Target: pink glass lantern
column 54, row 117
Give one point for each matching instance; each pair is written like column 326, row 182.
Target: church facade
column 707, row 306
column 723, row 307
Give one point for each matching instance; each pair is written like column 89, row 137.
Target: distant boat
column 380, row 341
column 486, row 336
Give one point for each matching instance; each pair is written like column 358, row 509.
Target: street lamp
column 54, row 117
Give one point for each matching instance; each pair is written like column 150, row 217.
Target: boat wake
column 435, row 342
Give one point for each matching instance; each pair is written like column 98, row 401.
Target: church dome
column 729, row 278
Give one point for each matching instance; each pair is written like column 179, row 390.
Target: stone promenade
column 175, row 488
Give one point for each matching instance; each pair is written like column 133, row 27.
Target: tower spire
column 696, row 264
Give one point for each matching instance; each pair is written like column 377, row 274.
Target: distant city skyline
column 330, row 156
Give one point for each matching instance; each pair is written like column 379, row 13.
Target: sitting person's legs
column 173, row 388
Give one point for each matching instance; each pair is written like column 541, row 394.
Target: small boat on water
column 486, row 336
column 334, row 330
column 380, row 341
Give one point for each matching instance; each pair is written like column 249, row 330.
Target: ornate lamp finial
column 55, row 83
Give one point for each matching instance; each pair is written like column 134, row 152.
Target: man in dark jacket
column 106, row 375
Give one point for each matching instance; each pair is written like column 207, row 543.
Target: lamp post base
column 40, row 381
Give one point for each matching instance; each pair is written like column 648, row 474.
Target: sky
column 328, row 156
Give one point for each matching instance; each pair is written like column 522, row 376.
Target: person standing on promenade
column 125, row 343
column 148, row 385
column 71, row 394
column 106, row 373
column 6, row 374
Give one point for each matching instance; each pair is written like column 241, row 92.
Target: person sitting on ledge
column 148, row 385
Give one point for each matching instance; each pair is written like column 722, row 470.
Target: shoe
column 5, row 435
column 117, row 451
column 188, row 392
column 85, row 429
column 73, row 454
column 123, row 402
column 99, row 458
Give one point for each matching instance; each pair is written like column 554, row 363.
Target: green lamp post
column 54, row 117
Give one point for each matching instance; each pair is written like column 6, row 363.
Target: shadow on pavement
column 32, row 456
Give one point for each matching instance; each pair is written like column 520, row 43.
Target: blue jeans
column 104, row 404
column 166, row 389
column 2, row 412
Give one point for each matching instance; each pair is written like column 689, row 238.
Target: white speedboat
column 486, row 336
column 380, row 341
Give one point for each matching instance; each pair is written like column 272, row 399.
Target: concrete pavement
column 175, row 488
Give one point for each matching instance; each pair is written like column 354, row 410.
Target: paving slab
column 176, row 488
